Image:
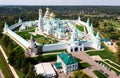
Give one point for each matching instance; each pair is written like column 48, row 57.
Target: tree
column 39, row 76
column 118, row 43
column 39, row 49
column 80, row 74
column 16, row 58
column 118, row 54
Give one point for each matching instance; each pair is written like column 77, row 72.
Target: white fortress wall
column 15, row 26
column 52, row 47
column 92, row 45
column 18, row 38
column 12, row 27
column 88, row 44
column 83, row 23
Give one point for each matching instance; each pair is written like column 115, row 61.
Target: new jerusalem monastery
column 65, row 31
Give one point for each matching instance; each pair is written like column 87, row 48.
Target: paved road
column 95, row 66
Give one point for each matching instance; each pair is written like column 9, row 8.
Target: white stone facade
column 67, row 68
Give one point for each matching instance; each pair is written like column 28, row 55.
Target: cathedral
column 66, row 30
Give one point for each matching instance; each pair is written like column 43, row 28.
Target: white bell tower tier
column 40, row 21
column 40, row 14
column 47, row 14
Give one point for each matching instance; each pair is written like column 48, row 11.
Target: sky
column 60, row 2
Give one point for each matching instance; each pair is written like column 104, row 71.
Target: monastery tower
column 40, row 14
column 19, row 21
column 32, row 46
column 40, row 21
column 47, row 14
column 5, row 27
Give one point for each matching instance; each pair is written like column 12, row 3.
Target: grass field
column 118, row 67
column 4, row 67
column 25, row 34
column 105, row 54
column 38, row 38
column 83, row 65
column 99, row 74
column 81, row 28
column 20, row 74
column 110, row 67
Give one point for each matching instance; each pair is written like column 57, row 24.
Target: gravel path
column 1, row 74
column 11, row 68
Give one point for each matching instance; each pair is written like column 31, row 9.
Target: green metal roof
column 67, row 58
column 106, row 39
column 58, row 65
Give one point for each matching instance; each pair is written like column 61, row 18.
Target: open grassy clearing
column 112, row 23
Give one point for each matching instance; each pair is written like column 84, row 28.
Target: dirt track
column 1, row 74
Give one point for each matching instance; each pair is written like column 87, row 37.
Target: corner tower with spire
column 32, row 46
column 5, row 27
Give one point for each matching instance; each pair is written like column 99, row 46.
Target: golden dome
column 47, row 9
column 52, row 15
column 40, row 10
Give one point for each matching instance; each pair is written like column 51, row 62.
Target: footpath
column 11, row 68
column 1, row 75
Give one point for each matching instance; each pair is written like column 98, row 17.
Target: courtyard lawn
column 99, row 74
column 25, row 34
column 4, row 67
column 42, row 41
column 81, row 28
column 38, row 38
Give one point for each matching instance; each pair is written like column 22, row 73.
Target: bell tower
column 47, row 14
column 40, row 14
column 40, row 21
